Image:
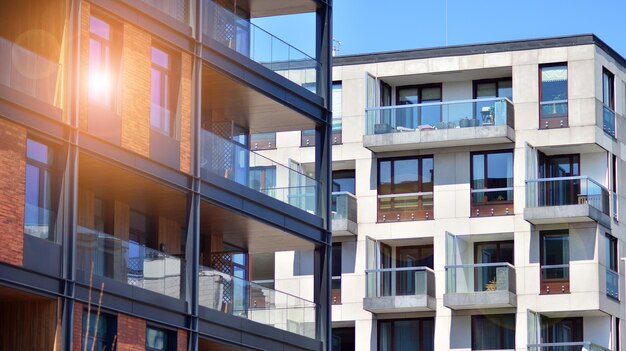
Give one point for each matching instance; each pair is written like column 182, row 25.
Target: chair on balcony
column 487, row 114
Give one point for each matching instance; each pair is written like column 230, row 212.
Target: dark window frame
column 52, row 169
column 612, row 258
column 547, row 285
column 420, row 212
column 108, row 318
column 420, row 99
column 476, row 82
column 500, row 317
column 114, row 58
column 335, row 292
column 611, row 103
column 170, row 342
column 548, row 323
column 493, row 208
column 555, row 120
column 172, row 72
column 392, row 322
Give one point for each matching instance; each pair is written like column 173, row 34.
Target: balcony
column 238, row 297
column 566, row 200
column 392, row 290
column 344, row 212
column 29, row 73
column 567, row 346
column 244, row 37
column 129, row 262
column 440, row 124
column 234, row 161
column 484, row 285
column 177, row 9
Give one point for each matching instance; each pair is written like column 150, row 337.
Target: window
column 562, row 330
column 162, row 97
column 405, row 189
column 614, row 188
column 491, row 252
column 409, row 282
column 492, row 183
column 160, row 340
column 608, row 100
column 493, row 332
column 102, row 337
column 263, row 141
column 412, row 118
column 335, row 292
column 554, row 262
column 344, row 181
column 102, row 62
column 612, row 276
column 406, row 334
column 553, row 95
column 38, row 210
column 564, row 191
column 308, row 136
column 486, row 92
column 343, row 339
column 263, row 179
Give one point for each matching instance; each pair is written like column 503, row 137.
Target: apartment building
column 477, row 197
column 134, row 214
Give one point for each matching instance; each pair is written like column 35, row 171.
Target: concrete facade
column 456, row 68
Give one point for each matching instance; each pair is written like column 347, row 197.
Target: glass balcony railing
column 129, row 262
column 612, row 284
column 28, row 72
column 608, row 121
column 567, row 346
column 177, row 9
column 439, row 115
column 38, row 221
column 400, row 282
column 242, row 298
column 567, row 191
column 255, row 43
column 236, row 162
column 343, row 206
column 480, row 277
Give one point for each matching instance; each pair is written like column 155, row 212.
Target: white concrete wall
column 452, row 194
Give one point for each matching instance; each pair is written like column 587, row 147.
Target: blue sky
column 382, row 25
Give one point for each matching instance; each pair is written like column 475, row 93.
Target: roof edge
column 479, row 48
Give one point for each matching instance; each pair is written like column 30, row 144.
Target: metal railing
column 612, row 283
column 480, row 277
column 567, row 191
column 404, row 281
column 608, row 121
column 244, row 37
column 28, row 72
column 177, row 9
column 129, row 262
column 439, row 115
column 567, row 346
column 245, row 299
column 343, row 206
column 236, row 162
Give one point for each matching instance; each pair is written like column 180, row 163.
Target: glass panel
column 405, row 176
column 427, row 174
column 156, row 339
column 406, row 335
column 99, row 27
column 607, row 89
column 555, row 253
column 486, row 90
column 384, row 339
column 384, row 178
column 493, row 332
column 505, row 89
column 553, row 90
column 478, row 171
column 38, row 151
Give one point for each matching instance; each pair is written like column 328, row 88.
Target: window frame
column 493, row 208
column 107, row 317
column 168, row 92
column 50, row 169
column 547, row 285
column 335, row 293
column 114, row 57
column 420, row 212
column 611, row 103
column 501, row 330
column 476, row 82
column 555, row 120
column 307, row 136
column 392, row 327
column 171, row 338
column 420, row 100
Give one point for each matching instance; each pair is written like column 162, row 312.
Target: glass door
column 560, row 192
column 490, row 252
column 411, row 256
